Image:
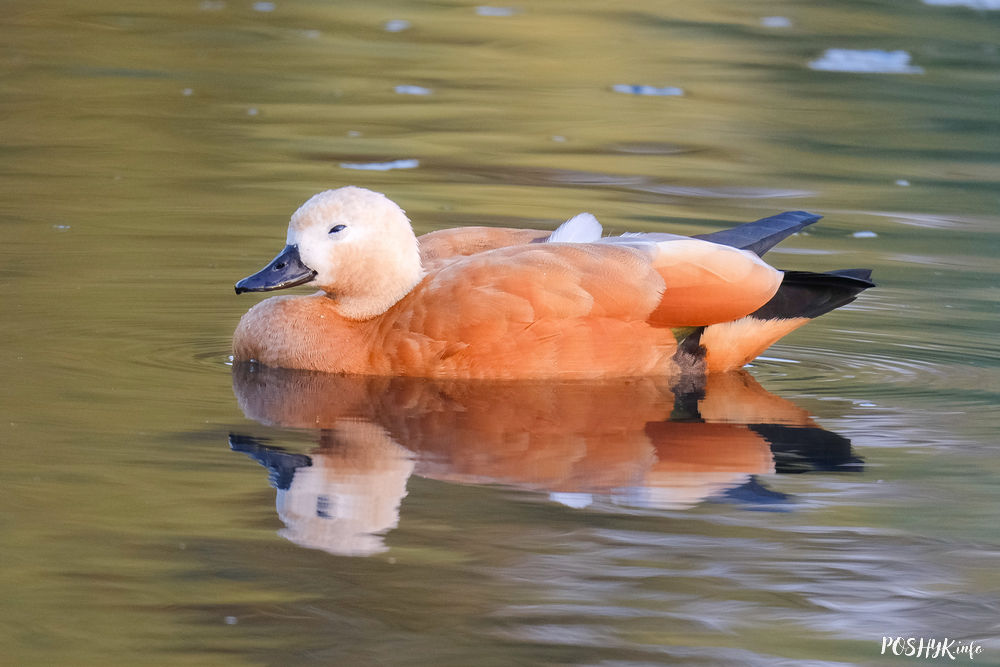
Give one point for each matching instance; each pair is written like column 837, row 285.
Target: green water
column 150, row 156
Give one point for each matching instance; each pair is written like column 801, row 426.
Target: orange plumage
column 503, row 303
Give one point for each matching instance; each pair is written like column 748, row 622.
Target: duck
column 521, row 304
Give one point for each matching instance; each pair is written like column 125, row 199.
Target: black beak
column 285, row 270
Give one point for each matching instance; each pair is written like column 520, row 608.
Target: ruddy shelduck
column 477, row 302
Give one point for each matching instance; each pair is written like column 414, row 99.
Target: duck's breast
column 307, row 332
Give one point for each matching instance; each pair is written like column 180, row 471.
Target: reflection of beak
column 285, row 270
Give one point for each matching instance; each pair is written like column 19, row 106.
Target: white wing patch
column 581, row 228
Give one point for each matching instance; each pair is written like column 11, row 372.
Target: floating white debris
column 903, row 183
column 776, row 22
column 252, row 111
column 353, row 133
column 212, row 5
column 311, row 34
column 485, row 10
column 396, row 25
column 264, row 6
column 187, row 92
column 381, row 166
column 413, row 90
column 628, row 89
column 872, row 61
column 558, row 138
column 60, row 228
column 971, row 4
column 231, row 620
column 864, row 235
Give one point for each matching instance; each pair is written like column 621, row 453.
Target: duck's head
column 354, row 244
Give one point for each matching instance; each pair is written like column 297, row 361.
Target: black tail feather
column 808, row 294
column 760, row 236
column 859, row 274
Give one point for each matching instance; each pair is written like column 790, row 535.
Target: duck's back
column 443, row 246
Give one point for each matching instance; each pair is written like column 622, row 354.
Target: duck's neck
column 362, row 290
column 368, row 305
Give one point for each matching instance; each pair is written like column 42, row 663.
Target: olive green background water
column 151, row 153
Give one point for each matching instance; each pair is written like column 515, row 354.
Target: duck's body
column 503, row 303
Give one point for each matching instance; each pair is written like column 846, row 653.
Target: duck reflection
column 637, row 442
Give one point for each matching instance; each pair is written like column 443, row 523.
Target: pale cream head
column 361, row 246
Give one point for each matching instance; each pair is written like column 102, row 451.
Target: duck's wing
column 672, row 284
column 585, row 310
column 713, row 278
column 532, row 311
column 529, row 282
column 704, row 282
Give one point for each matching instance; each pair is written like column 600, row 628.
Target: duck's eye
column 337, row 228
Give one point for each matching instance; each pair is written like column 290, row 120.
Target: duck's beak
column 285, row 270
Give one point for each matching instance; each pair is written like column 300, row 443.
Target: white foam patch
column 664, row 91
column 381, row 166
column 396, row 25
column 484, row 10
column 776, row 22
column 872, row 61
column 412, row 90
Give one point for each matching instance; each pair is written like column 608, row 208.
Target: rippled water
column 163, row 507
